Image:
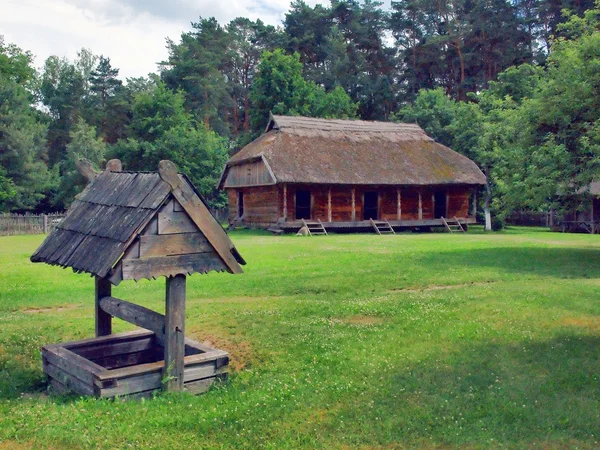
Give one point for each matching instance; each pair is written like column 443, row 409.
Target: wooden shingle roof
column 355, row 152
column 114, row 209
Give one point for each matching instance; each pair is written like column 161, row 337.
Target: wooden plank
column 200, row 386
column 119, row 348
column 398, row 204
column 103, row 320
column 59, row 388
column 125, row 372
column 133, row 385
column 202, row 371
column 128, row 359
column 68, row 380
column 72, row 363
column 136, row 269
column 135, row 314
column 173, row 244
column 175, row 333
column 420, row 207
column 200, row 214
column 112, row 339
column 170, row 222
column 353, row 204
column 284, row 201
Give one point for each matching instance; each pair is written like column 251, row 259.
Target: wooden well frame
column 127, row 365
column 162, row 227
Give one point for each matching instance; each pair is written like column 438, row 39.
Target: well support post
column 175, row 333
column 103, row 289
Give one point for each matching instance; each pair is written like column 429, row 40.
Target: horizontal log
column 135, row 314
column 105, row 350
column 126, row 372
column 68, row 380
column 72, row 363
column 137, row 269
column 125, row 336
column 173, row 244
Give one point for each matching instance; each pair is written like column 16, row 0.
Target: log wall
column 266, row 205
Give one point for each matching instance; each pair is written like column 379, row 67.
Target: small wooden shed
column 129, row 226
column 348, row 174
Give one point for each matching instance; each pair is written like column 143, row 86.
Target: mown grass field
column 344, row 341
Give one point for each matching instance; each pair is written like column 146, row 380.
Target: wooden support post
column 175, row 333
column 398, row 204
column 44, row 223
column 353, row 204
column 103, row 319
column 285, row 202
column 447, row 203
column 420, row 207
column 474, row 202
column 329, row 205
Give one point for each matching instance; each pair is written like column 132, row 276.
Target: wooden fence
column 13, row 224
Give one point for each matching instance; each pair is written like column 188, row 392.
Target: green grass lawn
column 341, row 341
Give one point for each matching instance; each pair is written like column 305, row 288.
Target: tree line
column 508, row 83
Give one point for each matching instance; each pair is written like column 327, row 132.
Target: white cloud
column 131, row 33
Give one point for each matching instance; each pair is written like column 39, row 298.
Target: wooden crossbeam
column 135, row 314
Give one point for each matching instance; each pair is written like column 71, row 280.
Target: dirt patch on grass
column 241, row 352
column 442, row 287
column 363, row 320
column 14, row 445
column 51, row 310
column 590, row 323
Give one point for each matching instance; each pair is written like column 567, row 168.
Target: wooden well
column 129, row 226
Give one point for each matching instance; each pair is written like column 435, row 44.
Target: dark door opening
column 371, row 206
column 240, row 204
column 302, row 204
column 439, row 199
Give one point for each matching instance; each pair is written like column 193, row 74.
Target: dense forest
column 515, row 85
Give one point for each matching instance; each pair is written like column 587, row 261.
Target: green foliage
column 279, row 87
column 24, row 176
column 83, row 144
column 162, row 129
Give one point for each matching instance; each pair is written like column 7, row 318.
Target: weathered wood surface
column 173, row 245
column 254, row 173
column 171, row 222
column 136, row 269
column 175, row 332
column 135, row 314
column 201, row 216
column 103, row 320
column 71, row 372
column 71, row 363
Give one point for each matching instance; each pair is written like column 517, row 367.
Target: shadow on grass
column 556, row 262
column 539, row 393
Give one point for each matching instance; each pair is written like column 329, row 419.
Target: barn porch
column 366, row 225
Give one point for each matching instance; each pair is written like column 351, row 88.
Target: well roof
column 333, row 151
column 105, row 218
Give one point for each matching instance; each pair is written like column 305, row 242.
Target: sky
column 131, row 33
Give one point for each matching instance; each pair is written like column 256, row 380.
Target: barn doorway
column 371, row 205
column 240, row 204
column 440, row 205
column 302, row 204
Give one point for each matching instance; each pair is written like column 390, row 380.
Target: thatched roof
column 328, row 151
column 109, row 214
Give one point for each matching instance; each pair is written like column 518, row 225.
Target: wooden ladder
column 453, row 226
column 314, row 228
column 382, row 227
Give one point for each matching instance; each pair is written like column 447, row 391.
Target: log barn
column 348, row 174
